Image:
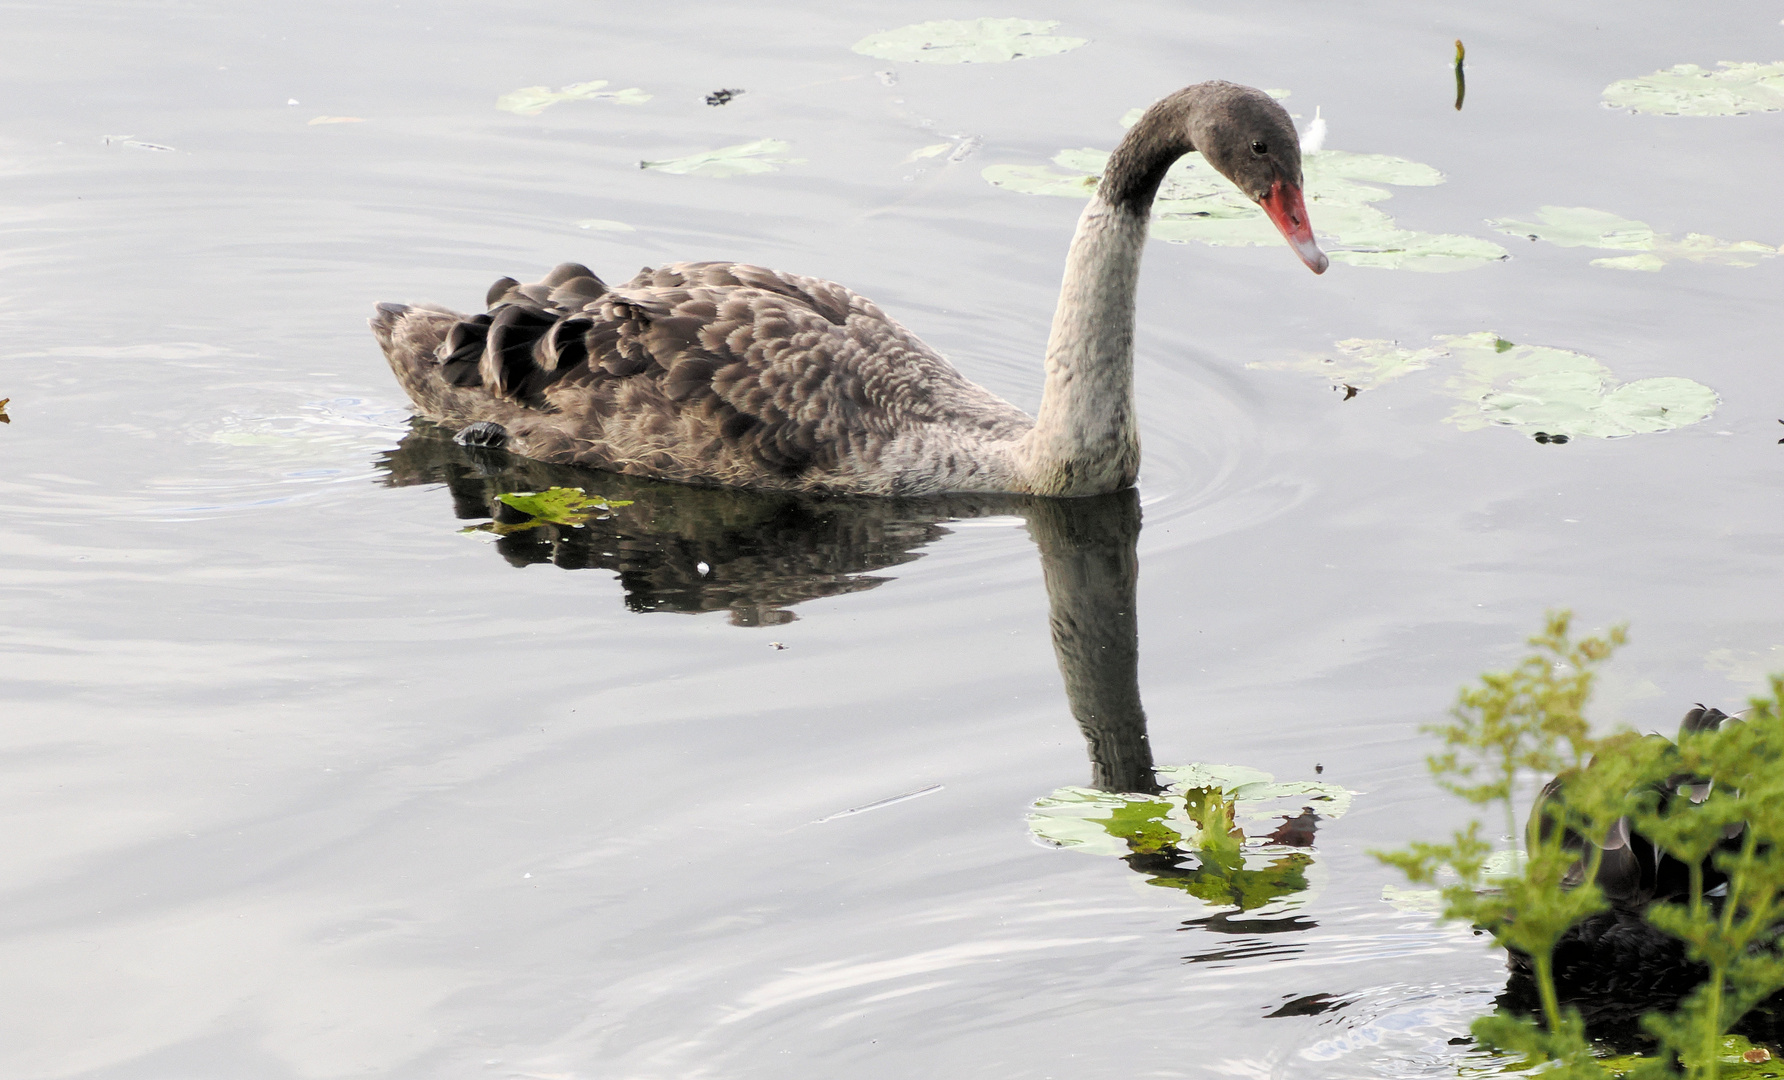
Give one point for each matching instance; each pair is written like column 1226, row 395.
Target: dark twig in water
column 1461, row 84
column 723, row 97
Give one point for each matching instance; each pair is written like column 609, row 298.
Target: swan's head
column 1251, row 140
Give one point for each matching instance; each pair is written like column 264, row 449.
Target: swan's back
column 719, row 373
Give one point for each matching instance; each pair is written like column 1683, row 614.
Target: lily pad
column 1582, row 226
column 1689, row 90
column 742, row 159
column 596, row 224
column 1104, row 823
column 968, row 41
column 533, row 100
column 1192, row 836
column 1196, row 203
column 1531, row 387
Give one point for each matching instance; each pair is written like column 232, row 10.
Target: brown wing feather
column 708, row 371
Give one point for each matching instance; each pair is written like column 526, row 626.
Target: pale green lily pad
column 1582, row 226
column 1198, row 823
column 1102, row 823
column 1689, row 90
column 1531, row 387
column 1197, row 204
column 933, row 150
column 1362, row 364
column 553, row 506
column 595, row 224
column 968, row 41
column 533, row 100
column 745, row 158
column 1557, row 391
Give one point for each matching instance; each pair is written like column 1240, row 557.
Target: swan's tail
column 410, row 335
column 451, row 364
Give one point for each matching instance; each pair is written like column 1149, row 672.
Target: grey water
column 303, row 774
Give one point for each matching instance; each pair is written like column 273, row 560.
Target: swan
column 728, row 374
column 1614, row 965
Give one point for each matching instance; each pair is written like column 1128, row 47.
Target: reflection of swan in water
column 1146, row 815
column 686, row 549
column 756, row 555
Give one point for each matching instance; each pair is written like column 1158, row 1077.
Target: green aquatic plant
column 761, row 156
column 968, row 41
column 1197, row 204
column 1192, row 835
column 1531, row 721
column 1535, row 388
column 1582, row 226
column 533, row 100
column 553, row 506
column 1689, row 90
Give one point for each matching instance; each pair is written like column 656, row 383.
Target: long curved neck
column 1086, row 440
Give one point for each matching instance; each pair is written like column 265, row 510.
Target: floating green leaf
column 1361, row 363
column 742, row 159
column 533, row 100
column 1689, row 90
column 1104, row 823
column 553, row 506
column 1532, row 387
column 1196, row 203
column 968, row 41
column 1581, row 226
column 1197, row 824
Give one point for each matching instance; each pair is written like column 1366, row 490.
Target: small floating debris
column 777, row 646
column 5, row 419
column 882, row 804
column 135, row 143
column 337, row 120
column 1461, row 83
column 722, row 97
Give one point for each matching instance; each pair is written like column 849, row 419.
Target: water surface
column 303, row 781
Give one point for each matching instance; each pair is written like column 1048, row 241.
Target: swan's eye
column 1260, row 148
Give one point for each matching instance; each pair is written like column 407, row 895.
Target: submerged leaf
column 1689, row 90
column 1543, row 390
column 1196, row 203
column 533, row 100
column 968, row 41
column 1362, row 363
column 744, row 158
column 1582, row 226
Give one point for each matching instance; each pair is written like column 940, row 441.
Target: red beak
column 1286, row 209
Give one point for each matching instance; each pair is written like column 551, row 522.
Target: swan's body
column 1614, row 965
column 723, row 373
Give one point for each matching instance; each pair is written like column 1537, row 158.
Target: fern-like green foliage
column 1729, row 815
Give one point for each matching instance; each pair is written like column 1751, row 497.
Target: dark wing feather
column 713, row 359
